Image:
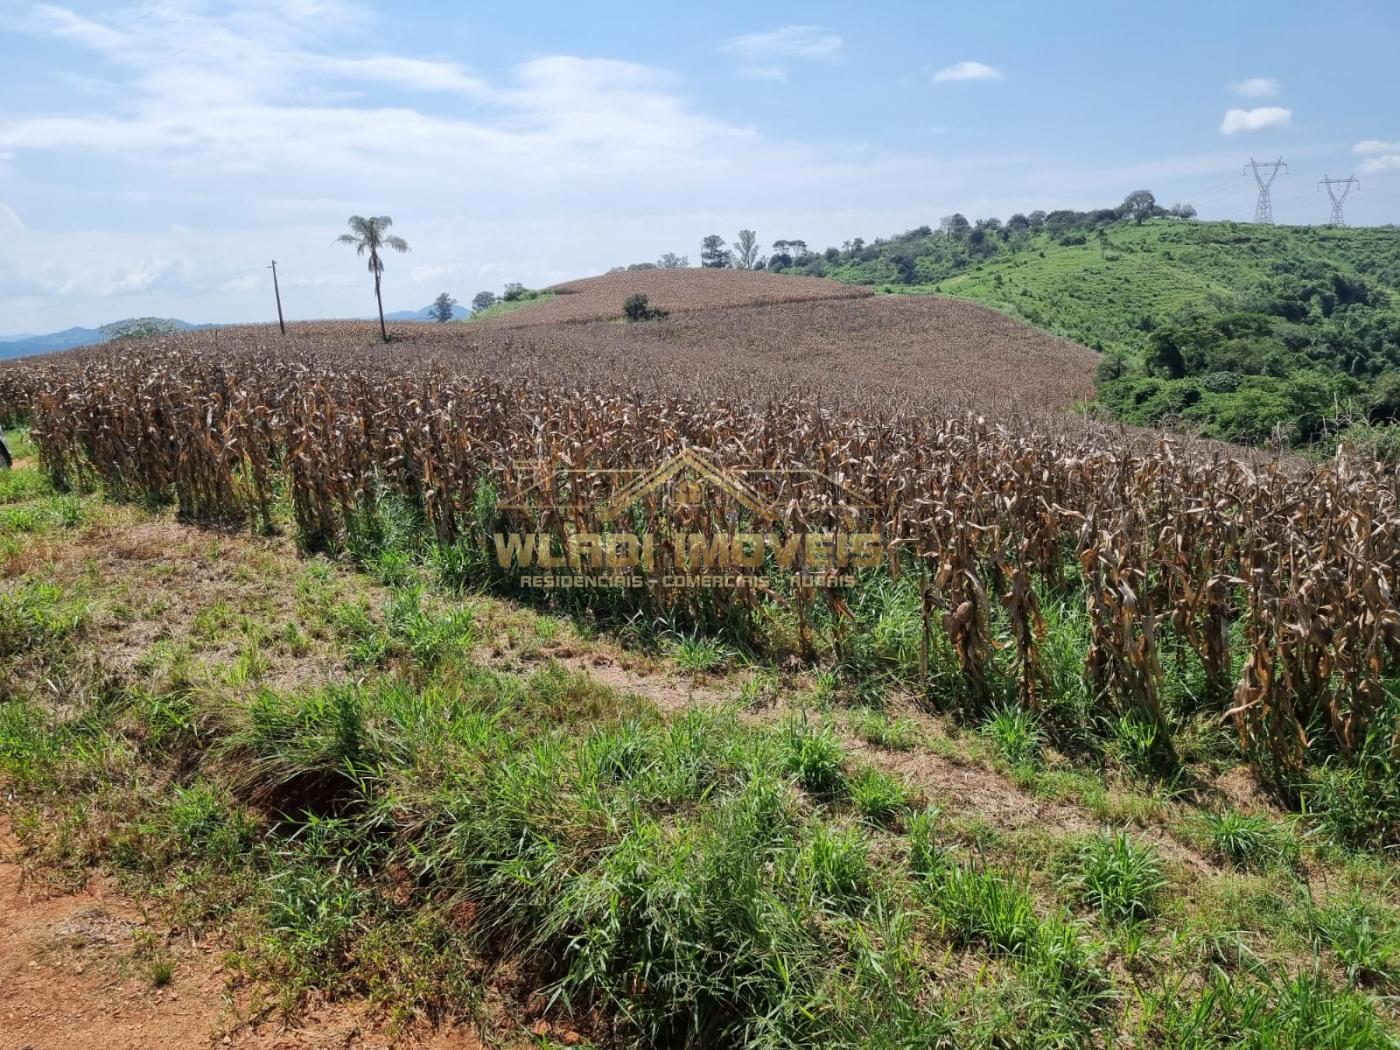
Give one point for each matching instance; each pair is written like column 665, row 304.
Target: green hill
column 1240, row 332
column 1111, row 296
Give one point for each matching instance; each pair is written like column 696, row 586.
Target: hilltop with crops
column 675, row 291
column 1099, row 751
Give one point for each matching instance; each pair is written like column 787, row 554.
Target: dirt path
column 71, row 979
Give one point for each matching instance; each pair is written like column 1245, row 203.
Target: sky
column 155, row 157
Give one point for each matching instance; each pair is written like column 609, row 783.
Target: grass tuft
column 700, row 655
column 884, row 730
column 1016, row 734
column 879, row 797
column 1119, row 878
column 814, row 756
column 1250, row 841
column 1364, row 937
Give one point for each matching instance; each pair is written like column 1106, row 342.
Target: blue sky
column 154, row 157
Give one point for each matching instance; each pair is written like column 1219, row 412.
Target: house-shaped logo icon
column 690, row 474
column 686, row 480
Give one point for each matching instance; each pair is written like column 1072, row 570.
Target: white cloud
column 253, row 92
column 428, row 273
column 768, row 55
column 250, row 129
column 325, row 280
column 1381, row 156
column 178, row 47
column 968, row 71
column 9, row 218
column 570, row 114
column 1256, row 87
column 1238, row 120
column 105, row 274
column 1384, row 162
column 247, row 283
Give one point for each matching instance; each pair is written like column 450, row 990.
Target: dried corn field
column 1274, row 580
column 677, row 291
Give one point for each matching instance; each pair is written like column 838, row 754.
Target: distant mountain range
column 23, row 346
column 71, row 337
column 425, row 314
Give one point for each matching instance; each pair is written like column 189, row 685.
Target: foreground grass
column 337, row 781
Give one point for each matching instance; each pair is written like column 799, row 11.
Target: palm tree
column 368, row 235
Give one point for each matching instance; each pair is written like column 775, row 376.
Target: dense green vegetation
column 1238, row 332
column 1242, row 332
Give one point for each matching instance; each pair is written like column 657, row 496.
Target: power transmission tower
column 1264, row 175
column 1338, row 195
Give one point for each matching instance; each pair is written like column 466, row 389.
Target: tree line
column 956, row 242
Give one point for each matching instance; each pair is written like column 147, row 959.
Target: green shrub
column 637, row 308
column 1378, row 442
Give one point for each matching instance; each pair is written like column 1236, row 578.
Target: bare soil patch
column 72, row 980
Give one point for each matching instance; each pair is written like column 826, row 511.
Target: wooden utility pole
column 278, row 292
